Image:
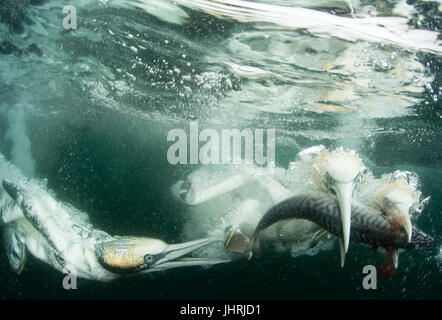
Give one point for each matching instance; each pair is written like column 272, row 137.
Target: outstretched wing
column 208, row 183
column 15, row 249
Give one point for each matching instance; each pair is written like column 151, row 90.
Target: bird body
column 62, row 236
column 243, row 195
column 395, row 199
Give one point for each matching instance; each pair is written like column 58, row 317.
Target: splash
column 393, row 30
column 222, row 198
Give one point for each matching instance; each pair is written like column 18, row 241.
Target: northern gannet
column 338, row 172
column 63, row 237
column 240, row 195
column 236, row 198
column 395, row 200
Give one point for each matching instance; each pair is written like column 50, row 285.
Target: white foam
column 242, row 207
column 392, row 30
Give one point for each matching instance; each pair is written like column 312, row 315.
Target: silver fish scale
column 369, row 225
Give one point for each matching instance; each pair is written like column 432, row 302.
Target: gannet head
column 126, row 255
column 395, row 200
column 338, row 171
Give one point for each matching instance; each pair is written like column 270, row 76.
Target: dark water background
column 113, row 165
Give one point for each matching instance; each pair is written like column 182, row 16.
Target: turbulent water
column 88, row 111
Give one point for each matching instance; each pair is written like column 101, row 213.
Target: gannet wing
column 310, row 153
column 38, row 209
column 29, row 206
column 275, row 190
column 207, row 183
column 78, row 216
column 15, row 249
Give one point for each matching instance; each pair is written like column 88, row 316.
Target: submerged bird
column 222, row 199
column 395, row 200
column 237, row 197
column 369, row 225
column 338, row 172
column 62, row 236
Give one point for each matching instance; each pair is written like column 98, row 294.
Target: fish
column 369, row 225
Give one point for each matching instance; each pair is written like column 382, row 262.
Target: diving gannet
column 62, row 236
column 396, row 200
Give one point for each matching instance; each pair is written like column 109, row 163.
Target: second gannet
column 395, row 200
column 62, row 236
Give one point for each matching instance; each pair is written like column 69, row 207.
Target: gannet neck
column 125, row 255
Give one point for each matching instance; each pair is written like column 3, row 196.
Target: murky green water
column 100, row 100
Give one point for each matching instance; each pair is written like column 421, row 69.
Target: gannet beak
column 175, row 256
column 344, row 191
column 403, row 219
column 407, row 227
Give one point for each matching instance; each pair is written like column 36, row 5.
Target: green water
column 102, row 147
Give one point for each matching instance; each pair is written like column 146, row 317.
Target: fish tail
column 255, row 247
column 239, row 242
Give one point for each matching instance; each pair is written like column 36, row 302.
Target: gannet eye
column 328, row 180
column 387, row 203
column 362, row 175
column 148, row 259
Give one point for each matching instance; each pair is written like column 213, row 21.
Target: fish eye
column 148, row 259
column 387, row 203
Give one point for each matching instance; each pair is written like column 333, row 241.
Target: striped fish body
column 368, row 225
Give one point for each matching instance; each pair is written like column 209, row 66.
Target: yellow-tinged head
column 125, row 255
column 395, row 199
